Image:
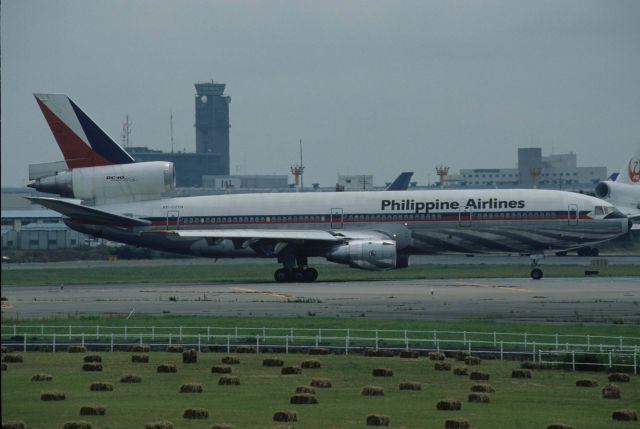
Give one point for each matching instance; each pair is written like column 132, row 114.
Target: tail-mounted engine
column 366, row 254
column 112, row 183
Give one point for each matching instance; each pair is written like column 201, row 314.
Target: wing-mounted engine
column 139, row 181
column 366, row 254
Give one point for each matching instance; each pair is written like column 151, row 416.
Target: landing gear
column 588, row 251
column 295, row 269
column 536, row 271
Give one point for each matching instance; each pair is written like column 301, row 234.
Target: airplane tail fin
column 401, row 183
column 82, row 142
column 630, row 172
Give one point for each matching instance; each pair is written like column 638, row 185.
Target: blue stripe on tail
column 100, row 142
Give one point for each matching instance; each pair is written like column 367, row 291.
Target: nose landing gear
column 536, row 270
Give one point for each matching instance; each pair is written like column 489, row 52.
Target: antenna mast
column 126, row 131
column 171, row 127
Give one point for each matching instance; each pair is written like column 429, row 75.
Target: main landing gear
column 295, row 269
column 536, row 271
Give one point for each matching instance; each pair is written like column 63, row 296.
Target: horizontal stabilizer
column 86, row 214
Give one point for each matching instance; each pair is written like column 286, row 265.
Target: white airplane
column 106, row 194
column 623, row 189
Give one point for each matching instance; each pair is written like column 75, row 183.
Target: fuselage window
column 201, row 220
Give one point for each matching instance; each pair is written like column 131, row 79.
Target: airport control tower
column 212, row 122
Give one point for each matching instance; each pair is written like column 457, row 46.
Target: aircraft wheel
column 297, row 275
column 310, row 274
column 536, row 274
column 281, row 275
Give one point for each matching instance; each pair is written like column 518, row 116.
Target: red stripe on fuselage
column 76, row 153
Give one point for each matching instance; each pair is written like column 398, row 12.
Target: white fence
column 540, row 348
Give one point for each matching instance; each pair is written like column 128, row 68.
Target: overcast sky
column 373, row 87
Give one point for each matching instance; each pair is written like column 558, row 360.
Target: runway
column 598, row 299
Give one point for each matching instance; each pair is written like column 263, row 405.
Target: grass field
column 549, row 396
column 263, row 272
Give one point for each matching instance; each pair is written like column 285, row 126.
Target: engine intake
column 603, row 190
column 366, row 254
column 112, row 183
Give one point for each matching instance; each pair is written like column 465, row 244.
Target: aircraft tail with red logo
column 82, row 142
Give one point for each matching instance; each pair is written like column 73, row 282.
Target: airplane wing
column 252, row 234
column 78, row 212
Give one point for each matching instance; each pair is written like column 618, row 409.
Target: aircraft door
column 336, row 218
column 173, row 219
column 465, row 216
column 572, row 214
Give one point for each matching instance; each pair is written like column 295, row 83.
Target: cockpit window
column 603, row 210
column 599, row 211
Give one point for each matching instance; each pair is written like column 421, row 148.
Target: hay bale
column 442, row 366
column 460, row 370
column 77, row 349
column 12, row 358
column 41, row 377
column 175, row 349
column 382, row 372
column 190, row 356
column 483, row 388
column 272, row 362
column 196, row 413
column 3, row 366
column 97, row 410
column 311, row 364
column 245, row 349
column 167, row 367
column 619, row 377
column 131, row 378
column 305, row 389
column 191, row 388
column 472, row 360
column 159, row 425
column 477, row 375
column 478, row 397
column 285, row 416
column 77, row 425
column 586, row 382
column 378, row 420
column 227, row 380
column 449, row 405
column 378, row 353
column 303, row 398
column 410, row 385
column 92, row 367
column 372, row 391
column 409, row 354
column 230, row 360
column 139, row 348
column 291, row 370
column 521, row 373
column 221, row 426
column 221, row 369
column 53, row 395
column 14, row 424
column 321, row 383
column 559, row 426
column 319, row 351
column 101, row 386
column 625, row 415
column 461, row 356
column 611, row 391
column 436, row 356
column 139, row 358
column 92, row 358
column 457, row 423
